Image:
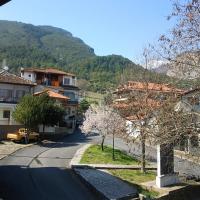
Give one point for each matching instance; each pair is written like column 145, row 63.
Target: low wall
column 191, row 192
column 4, row 129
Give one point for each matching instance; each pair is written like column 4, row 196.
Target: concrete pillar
column 165, row 166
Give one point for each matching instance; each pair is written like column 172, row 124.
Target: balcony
column 54, row 80
column 72, row 102
column 49, row 83
column 11, row 100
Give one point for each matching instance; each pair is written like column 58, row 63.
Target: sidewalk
column 8, row 147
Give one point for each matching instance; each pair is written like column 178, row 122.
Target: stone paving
column 8, row 147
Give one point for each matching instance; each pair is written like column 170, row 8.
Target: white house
column 12, row 89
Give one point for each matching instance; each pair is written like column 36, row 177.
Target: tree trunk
column 143, row 159
column 102, row 142
column 25, row 135
column 113, row 149
column 43, row 128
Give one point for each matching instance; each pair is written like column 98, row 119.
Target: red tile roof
column 6, row 77
column 142, row 86
column 151, row 103
column 47, row 71
column 52, row 94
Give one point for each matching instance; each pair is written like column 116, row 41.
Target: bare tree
column 181, row 46
column 140, row 103
column 170, row 123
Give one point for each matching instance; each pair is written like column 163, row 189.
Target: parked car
column 21, row 134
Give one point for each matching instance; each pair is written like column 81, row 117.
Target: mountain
column 26, row 45
column 162, row 69
column 185, row 66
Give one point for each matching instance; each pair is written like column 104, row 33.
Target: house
column 190, row 102
column 154, row 94
column 12, row 89
column 146, row 98
column 59, row 100
column 161, row 90
column 57, row 81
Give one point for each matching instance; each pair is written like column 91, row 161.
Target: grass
column 93, row 96
column 136, row 177
column 94, row 155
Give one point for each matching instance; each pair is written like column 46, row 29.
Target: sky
column 122, row 27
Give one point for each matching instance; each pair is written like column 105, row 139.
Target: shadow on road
column 41, row 183
column 67, row 140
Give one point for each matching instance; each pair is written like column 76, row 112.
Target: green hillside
column 26, row 45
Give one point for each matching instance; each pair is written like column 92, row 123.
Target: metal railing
column 9, row 99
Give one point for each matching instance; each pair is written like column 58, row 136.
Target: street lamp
column 2, row 2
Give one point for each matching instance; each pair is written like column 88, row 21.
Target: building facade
column 56, row 81
column 12, row 89
column 137, row 101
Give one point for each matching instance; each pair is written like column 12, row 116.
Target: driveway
column 41, row 172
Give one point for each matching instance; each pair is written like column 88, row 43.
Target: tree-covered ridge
column 105, row 72
column 57, row 43
column 26, row 45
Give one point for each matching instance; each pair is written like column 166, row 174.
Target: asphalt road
column 42, row 172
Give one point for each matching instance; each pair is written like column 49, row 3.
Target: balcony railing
column 9, row 100
column 72, row 102
column 53, row 83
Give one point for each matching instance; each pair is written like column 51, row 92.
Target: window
column 66, row 81
column 6, row 114
column 20, row 94
column 71, row 95
column 73, row 80
column 6, row 95
column 68, row 111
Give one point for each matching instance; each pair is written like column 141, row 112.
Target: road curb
column 78, row 155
